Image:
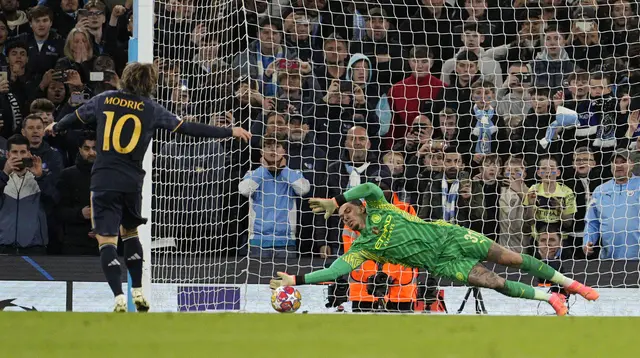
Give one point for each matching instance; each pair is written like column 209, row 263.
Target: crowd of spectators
column 518, row 120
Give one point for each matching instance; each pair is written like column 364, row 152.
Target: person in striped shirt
column 390, row 235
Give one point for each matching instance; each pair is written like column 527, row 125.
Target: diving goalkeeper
column 388, row 234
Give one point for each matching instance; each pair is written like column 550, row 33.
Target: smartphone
column 4, row 76
column 79, row 98
column 96, row 76
column 60, row 76
column 26, row 163
column 584, row 26
column 524, row 78
column 83, row 12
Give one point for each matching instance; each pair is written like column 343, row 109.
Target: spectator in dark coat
column 384, row 50
column 64, row 17
column 437, row 19
column 356, row 166
column 91, row 19
column 17, row 19
column 45, row 46
column 4, row 36
column 73, row 211
column 305, row 156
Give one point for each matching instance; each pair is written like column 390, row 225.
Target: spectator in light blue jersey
column 273, row 189
column 613, row 217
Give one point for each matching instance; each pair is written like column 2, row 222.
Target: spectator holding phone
column 513, row 98
column 23, row 222
column 91, row 19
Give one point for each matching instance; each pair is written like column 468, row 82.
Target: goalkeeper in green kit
column 388, row 234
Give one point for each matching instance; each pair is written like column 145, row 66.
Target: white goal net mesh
column 517, row 120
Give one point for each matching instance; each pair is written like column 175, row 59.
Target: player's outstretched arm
column 367, row 191
column 195, row 129
column 342, row 266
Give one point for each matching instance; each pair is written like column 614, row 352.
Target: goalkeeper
column 388, row 234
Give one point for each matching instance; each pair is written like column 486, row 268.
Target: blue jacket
column 273, row 212
column 614, row 217
column 23, row 222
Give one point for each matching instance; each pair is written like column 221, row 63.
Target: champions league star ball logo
column 376, row 218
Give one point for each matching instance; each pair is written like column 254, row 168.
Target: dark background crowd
column 516, row 119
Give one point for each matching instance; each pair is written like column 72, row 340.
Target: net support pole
column 141, row 50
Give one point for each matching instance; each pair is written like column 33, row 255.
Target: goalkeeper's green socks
column 539, row 269
column 520, row 290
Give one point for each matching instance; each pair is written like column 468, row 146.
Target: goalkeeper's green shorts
column 463, row 249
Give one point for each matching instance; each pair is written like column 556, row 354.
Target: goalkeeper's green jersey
column 390, row 235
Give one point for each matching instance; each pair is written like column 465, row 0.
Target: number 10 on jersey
column 112, row 135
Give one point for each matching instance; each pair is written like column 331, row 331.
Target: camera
column 378, row 284
column 338, row 293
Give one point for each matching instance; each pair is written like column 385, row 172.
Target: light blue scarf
column 449, row 200
column 484, row 129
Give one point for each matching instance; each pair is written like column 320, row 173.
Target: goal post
column 141, row 50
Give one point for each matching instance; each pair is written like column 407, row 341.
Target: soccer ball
column 286, row 299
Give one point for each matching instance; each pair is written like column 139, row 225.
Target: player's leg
column 529, row 264
column 105, row 219
column 480, row 276
column 131, row 219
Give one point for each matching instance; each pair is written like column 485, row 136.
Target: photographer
column 23, row 223
column 513, row 98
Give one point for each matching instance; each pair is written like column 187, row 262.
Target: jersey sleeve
column 342, row 266
column 370, row 192
column 169, row 121
column 87, row 112
column 165, row 119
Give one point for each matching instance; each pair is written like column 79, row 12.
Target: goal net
column 518, row 121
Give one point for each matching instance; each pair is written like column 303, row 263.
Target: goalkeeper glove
column 282, row 280
column 326, row 206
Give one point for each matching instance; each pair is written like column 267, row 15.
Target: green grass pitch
column 68, row 335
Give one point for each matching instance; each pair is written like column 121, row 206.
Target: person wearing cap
column 384, row 50
column 273, row 190
column 613, row 216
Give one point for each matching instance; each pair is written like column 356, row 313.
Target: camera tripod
column 479, row 301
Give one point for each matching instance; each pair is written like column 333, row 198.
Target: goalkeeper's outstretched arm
column 342, row 266
column 370, row 192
